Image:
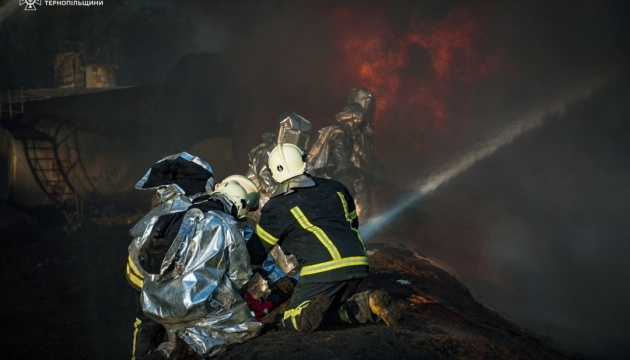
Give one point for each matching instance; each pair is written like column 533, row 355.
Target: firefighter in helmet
column 344, row 150
column 294, row 129
column 177, row 181
column 280, row 285
column 197, row 267
column 180, row 182
column 315, row 219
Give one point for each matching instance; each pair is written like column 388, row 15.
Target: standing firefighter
column 315, row 220
column 344, row 150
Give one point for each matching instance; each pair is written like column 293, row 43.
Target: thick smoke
column 538, row 230
column 6, row 9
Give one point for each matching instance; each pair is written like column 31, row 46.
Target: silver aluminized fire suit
column 338, row 153
column 259, row 173
column 194, row 288
column 176, row 180
column 344, row 150
column 213, row 246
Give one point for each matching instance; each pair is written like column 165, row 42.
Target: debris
column 404, row 282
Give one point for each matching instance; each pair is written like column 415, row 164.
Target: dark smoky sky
column 538, row 230
column 479, row 64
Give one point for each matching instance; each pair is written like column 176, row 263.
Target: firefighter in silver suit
column 177, row 180
column 293, row 129
column 181, row 182
column 257, row 170
column 344, row 150
column 197, row 268
column 365, row 98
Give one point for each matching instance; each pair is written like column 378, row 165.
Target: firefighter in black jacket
column 315, row 220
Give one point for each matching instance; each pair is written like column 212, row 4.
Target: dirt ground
column 65, row 297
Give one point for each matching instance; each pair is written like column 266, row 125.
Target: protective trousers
column 346, row 306
column 147, row 335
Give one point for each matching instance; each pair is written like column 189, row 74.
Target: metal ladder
column 41, row 151
column 47, row 168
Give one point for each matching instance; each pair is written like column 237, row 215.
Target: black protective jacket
column 318, row 224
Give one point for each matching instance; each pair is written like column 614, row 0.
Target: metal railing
column 11, row 102
column 41, row 149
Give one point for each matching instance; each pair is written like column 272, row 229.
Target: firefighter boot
column 383, row 306
column 314, row 314
column 155, row 355
column 182, row 351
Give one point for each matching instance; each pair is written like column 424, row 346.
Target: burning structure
column 537, row 230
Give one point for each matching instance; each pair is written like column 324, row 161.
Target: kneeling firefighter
column 197, row 268
column 177, row 181
column 315, row 220
column 280, row 285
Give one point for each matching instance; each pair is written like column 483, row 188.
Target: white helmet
column 234, row 192
column 286, row 161
column 253, row 197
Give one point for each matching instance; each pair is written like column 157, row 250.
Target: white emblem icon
column 30, row 4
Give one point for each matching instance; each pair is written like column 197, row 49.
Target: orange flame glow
column 421, row 69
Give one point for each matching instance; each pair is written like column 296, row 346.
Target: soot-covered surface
column 66, row 297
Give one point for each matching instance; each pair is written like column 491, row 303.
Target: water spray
column 529, row 122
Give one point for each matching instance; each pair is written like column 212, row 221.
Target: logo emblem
column 30, row 4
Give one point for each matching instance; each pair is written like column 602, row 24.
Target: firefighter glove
column 285, row 285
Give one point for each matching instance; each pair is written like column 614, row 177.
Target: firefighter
column 293, row 129
column 198, row 268
column 364, row 97
column 281, row 286
column 315, row 219
column 257, row 170
column 343, row 151
column 177, row 180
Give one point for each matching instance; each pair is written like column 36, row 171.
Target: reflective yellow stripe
column 319, row 233
column 334, row 264
column 294, row 313
column 133, row 278
column 135, row 335
column 133, row 268
column 350, row 217
column 267, row 237
column 343, row 315
column 133, row 274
